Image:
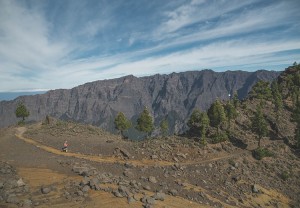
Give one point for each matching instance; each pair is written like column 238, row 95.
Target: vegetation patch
column 260, row 153
column 219, row 137
column 285, row 175
column 21, row 123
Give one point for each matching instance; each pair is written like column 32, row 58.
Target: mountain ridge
column 172, row 95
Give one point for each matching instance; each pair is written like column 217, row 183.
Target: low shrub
column 260, row 153
column 219, row 137
column 284, row 175
column 21, row 123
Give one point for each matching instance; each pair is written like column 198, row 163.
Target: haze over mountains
column 173, row 96
column 12, row 95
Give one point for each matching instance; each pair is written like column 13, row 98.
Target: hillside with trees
column 239, row 153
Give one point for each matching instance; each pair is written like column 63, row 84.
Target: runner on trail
column 65, row 148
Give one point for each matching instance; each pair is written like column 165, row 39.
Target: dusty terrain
column 102, row 170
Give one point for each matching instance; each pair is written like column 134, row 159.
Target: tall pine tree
column 277, row 99
column 259, row 125
column 21, row 111
column 262, row 91
column 145, row 122
column 236, row 101
column 216, row 114
column 164, row 127
column 231, row 113
column 199, row 122
column 122, row 123
column 296, row 119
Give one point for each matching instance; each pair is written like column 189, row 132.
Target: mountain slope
column 175, row 95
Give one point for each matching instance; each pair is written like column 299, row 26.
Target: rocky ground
column 103, row 170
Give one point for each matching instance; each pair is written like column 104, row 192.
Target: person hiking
column 65, row 148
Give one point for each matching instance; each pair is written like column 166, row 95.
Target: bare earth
column 173, row 172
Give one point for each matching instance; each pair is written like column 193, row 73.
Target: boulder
column 153, row 157
column 27, row 203
column 79, row 193
column 20, row 182
column 255, row 188
column 152, row 179
column 148, row 200
column 124, row 152
column 85, row 189
column 85, row 181
column 124, row 191
column 181, row 155
column 94, row 182
column 128, row 173
column 12, row 199
column 148, row 188
column 159, row 196
column 45, row 190
column 173, row 192
column 117, row 194
column 130, row 200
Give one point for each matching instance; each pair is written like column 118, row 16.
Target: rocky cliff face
column 174, row 95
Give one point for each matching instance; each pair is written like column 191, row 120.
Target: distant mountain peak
column 174, row 95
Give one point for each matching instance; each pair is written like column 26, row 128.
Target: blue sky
column 50, row 44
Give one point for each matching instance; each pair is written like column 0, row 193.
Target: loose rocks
column 45, row 190
column 152, row 179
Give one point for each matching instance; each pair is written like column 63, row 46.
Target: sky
column 51, row 44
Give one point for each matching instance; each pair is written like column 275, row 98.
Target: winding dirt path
column 37, row 175
column 37, row 165
column 111, row 159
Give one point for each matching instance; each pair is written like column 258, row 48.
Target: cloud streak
column 50, row 44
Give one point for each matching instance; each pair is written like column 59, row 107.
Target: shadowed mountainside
column 174, row 95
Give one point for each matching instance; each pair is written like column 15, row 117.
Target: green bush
column 219, row 137
column 61, row 124
column 260, row 153
column 284, row 175
column 21, row 123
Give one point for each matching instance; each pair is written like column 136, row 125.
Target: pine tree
column 21, row 111
column 261, row 90
column 297, row 135
column 277, row 99
column 122, row 123
column 259, row 125
column 236, row 101
column 296, row 118
column 199, row 122
column 216, row 114
column 231, row 113
column 145, row 122
column 164, row 127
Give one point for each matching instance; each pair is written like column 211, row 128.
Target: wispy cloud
column 61, row 44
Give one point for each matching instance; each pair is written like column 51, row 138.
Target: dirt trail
column 102, row 159
column 107, row 159
column 36, row 175
column 39, row 173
